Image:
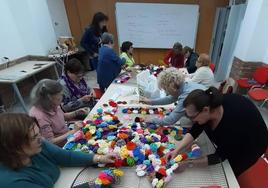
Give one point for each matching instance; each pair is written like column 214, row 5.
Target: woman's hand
column 182, row 166
column 78, row 125
column 171, row 155
column 92, row 94
column 86, row 98
column 82, row 111
column 144, row 100
column 105, row 159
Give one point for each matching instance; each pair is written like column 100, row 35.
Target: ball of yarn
column 160, row 184
column 124, row 152
column 153, row 147
column 107, row 177
column 147, row 162
column 112, row 103
column 168, row 179
column 131, row 146
column 154, row 182
column 130, row 161
column 118, row 172
column 162, row 171
column 100, row 110
column 141, row 173
column 178, row 158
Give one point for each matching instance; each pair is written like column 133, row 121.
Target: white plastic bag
column 147, row 85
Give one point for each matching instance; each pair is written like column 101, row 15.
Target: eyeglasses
column 80, row 75
column 36, row 137
column 192, row 117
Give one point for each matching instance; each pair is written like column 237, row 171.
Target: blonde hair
column 204, row 60
column 170, row 77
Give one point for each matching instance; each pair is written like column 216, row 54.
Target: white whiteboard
column 153, row 25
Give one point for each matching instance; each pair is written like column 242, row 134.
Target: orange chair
column 260, row 77
column 258, row 94
column 256, row 175
column 98, row 93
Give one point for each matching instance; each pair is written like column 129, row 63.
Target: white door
column 59, row 17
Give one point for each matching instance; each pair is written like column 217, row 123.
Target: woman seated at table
column 203, row 75
column 173, row 83
column 127, row 53
column 190, row 58
column 175, row 57
column 236, row 126
column 109, row 62
column 27, row 160
column 76, row 93
column 46, row 98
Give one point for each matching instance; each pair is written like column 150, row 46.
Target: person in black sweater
column 91, row 39
column 191, row 58
column 233, row 124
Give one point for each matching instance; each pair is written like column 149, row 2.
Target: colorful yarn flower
column 130, row 161
column 107, row 177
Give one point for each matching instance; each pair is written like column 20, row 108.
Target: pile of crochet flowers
column 107, row 177
column 137, row 143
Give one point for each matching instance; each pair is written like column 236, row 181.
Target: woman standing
column 91, row 39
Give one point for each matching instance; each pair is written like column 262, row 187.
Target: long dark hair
column 211, row 98
column 14, row 134
column 97, row 18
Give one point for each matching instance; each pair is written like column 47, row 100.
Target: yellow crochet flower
column 160, row 184
column 124, row 152
column 98, row 181
column 178, row 158
column 118, row 172
column 112, row 126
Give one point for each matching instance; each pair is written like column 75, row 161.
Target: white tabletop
column 63, row 54
column 194, row 177
column 23, row 70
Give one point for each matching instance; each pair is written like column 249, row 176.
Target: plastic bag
column 147, row 85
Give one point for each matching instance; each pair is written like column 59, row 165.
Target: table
column 220, row 174
column 62, row 58
column 14, row 74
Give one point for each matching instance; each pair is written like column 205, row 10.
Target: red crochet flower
column 131, row 146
